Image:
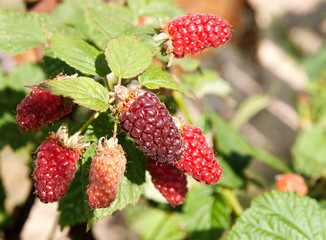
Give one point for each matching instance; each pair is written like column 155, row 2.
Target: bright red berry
column 148, row 121
column 169, row 180
column 55, row 165
column 291, row 182
column 106, row 171
column 198, row 159
column 193, row 33
column 40, row 108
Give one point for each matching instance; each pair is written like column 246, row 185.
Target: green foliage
column 72, row 206
column 206, row 213
column 85, row 91
column 20, row 31
column 206, row 82
column 283, row 215
column 236, row 150
column 155, row 77
column 310, row 148
column 78, row 54
column 25, row 74
column 127, row 57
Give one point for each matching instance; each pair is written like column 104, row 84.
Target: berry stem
column 119, row 81
column 232, row 199
column 115, row 126
column 92, row 118
column 183, row 106
column 157, row 51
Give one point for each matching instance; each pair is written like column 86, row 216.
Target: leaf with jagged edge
column 127, row 57
column 83, row 90
column 280, row 215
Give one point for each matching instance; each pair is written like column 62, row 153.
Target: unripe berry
column 291, row 182
column 106, row 171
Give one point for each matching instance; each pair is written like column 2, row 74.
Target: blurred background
column 275, row 67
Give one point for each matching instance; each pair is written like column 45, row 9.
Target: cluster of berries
column 172, row 149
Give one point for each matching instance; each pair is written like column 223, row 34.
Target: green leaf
column 131, row 186
column 230, row 178
column 127, row 57
column 155, row 77
column 25, row 74
column 85, row 91
column 281, row 215
column 209, row 218
column 249, row 108
column 233, row 145
column 309, row 153
column 19, row 32
column 72, row 206
column 78, row 54
column 53, row 66
column 206, row 82
column 153, row 223
column 121, row 12
column 156, row 8
column 315, row 65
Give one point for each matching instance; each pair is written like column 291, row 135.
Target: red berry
column 169, row 180
column 106, row 170
column 195, row 32
column 55, row 165
column 291, row 182
column 198, row 159
column 40, row 108
column 148, row 121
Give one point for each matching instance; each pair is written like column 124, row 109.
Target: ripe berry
column 148, row 121
column 55, row 165
column 291, row 182
column 106, row 170
column 40, row 108
column 169, row 180
column 198, row 159
column 193, row 33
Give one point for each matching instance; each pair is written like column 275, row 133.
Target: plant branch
column 93, row 117
column 232, row 199
column 183, row 106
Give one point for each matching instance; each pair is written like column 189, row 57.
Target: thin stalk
column 119, row 81
column 232, row 199
column 93, row 117
column 156, row 51
column 182, row 105
column 115, row 127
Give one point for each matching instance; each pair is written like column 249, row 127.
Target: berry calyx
column 291, row 182
column 194, row 33
column 198, row 158
column 148, row 121
column 105, row 174
column 55, row 164
column 40, row 108
column 169, row 180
